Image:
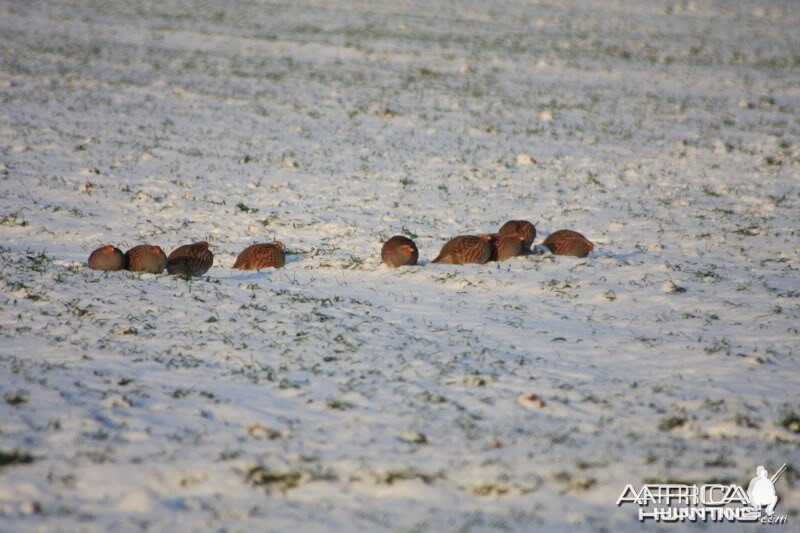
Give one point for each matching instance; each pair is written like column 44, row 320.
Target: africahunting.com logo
column 708, row 503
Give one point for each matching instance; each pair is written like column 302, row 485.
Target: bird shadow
column 620, row 255
column 540, row 250
column 245, row 275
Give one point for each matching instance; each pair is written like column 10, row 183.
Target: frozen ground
column 339, row 393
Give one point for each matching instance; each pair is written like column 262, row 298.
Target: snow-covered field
column 337, row 393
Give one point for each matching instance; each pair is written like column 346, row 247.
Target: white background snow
column 341, row 394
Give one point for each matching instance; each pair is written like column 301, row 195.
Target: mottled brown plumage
column 466, row 249
column 106, row 258
column 190, row 259
column 506, row 246
column 568, row 242
column 146, row 258
column 399, row 251
column 258, row 256
column 523, row 228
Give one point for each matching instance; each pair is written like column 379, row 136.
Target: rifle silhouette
column 778, row 473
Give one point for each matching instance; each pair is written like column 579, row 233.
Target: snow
column 342, row 394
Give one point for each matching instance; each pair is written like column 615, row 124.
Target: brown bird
column 146, row 258
column 523, row 228
column 190, row 259
column 466, row 249
column 506, row 246
column 399, row 251
column 107, row 258
column 568, row 242
column 258, row 256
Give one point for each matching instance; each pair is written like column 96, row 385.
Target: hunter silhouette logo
column 676, row 502
column 761, row 490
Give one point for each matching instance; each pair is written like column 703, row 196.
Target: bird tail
column 438, row 258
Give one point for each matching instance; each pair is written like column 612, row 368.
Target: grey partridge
column 399, row 251
column 466, row 249
column 146, row 258
column 106, row 258
column 568, row 242
column 506, row 246
column 190, row 259
column 258, row 256
column 523, row 228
